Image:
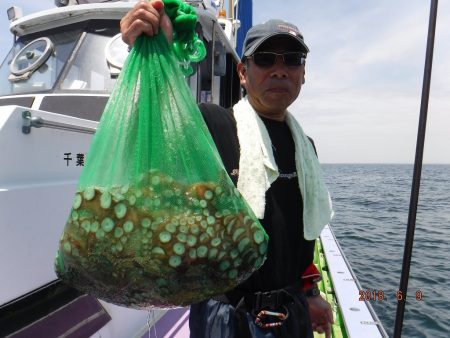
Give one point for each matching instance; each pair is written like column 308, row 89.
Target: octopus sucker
column 159, row 242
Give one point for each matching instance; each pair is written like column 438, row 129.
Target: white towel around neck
column 258, row 170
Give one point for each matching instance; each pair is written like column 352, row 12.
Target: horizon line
column 383, row 163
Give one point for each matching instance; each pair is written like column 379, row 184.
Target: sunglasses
column 268, row 59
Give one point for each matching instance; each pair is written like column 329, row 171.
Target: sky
column 364, row 74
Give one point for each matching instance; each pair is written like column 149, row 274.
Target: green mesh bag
column 156, row 221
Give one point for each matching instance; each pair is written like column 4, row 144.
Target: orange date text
column 371, row 295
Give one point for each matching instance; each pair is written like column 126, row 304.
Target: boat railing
column 30, row 121
column 359, row 317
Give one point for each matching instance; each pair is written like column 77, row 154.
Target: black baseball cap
column 257, row 34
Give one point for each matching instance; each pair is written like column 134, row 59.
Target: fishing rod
column 417, row 172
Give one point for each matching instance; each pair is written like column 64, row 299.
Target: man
column 281, row 183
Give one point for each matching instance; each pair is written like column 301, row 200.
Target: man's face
column 271, row 89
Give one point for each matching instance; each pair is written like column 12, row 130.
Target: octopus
column 159, row 243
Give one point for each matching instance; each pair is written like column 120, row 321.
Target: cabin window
column 44, row 72
column 89, row 70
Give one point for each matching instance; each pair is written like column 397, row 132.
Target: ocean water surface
column 371, row 203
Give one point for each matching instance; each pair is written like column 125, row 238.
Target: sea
column 371, row 204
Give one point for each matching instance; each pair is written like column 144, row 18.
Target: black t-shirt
column 289, row 253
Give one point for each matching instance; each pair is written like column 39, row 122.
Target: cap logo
column 291, row 30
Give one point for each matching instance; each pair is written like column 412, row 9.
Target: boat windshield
column 72, row 60
column 90, row 69
column 34, row 63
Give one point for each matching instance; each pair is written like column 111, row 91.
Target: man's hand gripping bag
column 156, row 221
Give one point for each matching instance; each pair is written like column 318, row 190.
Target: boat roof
column 64, row 16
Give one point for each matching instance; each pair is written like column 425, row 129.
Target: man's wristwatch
column 312, row 292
